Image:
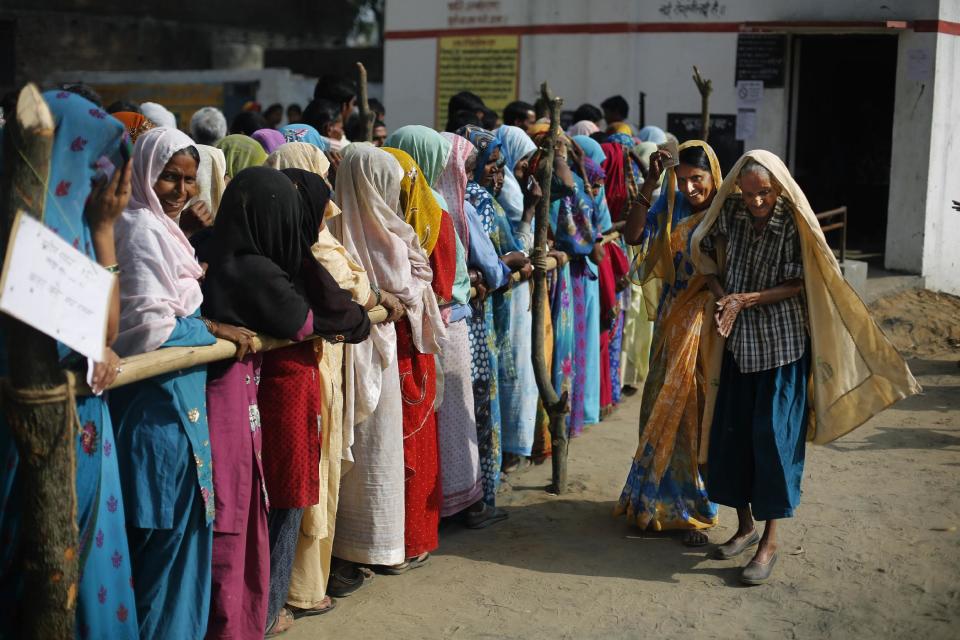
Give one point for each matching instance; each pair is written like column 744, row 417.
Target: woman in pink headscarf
column 162, row 437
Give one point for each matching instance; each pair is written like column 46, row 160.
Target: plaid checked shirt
column 765, row 336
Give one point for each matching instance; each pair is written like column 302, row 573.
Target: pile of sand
column 920, row 323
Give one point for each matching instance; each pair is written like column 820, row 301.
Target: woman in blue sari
column 163, row 441
column 86, row 139
column 483, row 184
column 518, row 404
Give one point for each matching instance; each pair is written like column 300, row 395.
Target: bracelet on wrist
column 210, row 325
column 376, row 292
column 113, row 268
column 643, row 199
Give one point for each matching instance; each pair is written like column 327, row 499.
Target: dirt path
column 873, row 553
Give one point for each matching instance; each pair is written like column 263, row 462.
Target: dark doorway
column 844, row 121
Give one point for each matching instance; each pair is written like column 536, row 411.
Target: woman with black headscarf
column 262, row 277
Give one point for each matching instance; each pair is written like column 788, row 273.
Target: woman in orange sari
column 664, row 489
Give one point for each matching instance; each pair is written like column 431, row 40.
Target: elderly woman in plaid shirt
column 757, row 440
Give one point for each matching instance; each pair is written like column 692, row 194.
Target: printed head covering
column 621, row 127
column 269, row 139
column 305, row 133
column 594, row 171
column 653, row 134
column 372, row 229
column 485, row 142
column 158, row 271
column 260, row 245
column 582, row 128
column 135, row 123
column 159, row 115
column 241, row 152
column 452, row 183
column 418, row 207
column 427, row 148
column 211, row 178
column 658, row 263
column 86, row 141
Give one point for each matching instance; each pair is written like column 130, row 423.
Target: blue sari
column 85, row 137
column 496, row 315
column 167, row 476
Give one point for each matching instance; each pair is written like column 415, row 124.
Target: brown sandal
column 281, row 624
column 326, row 605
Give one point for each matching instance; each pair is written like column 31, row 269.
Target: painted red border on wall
column 920, row 26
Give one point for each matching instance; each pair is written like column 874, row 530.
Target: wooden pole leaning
column 367, row 117
column 555, row 406
column 39, row 404
column 705, row 87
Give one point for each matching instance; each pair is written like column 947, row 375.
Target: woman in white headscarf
column 370, row 517
column 163, row 440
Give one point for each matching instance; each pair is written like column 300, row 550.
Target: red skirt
column 421, row 456
column 289, row 399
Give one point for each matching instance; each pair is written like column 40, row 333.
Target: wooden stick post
column 367, row 117
column 705, row 87
column 39, row 404
column 556, row 406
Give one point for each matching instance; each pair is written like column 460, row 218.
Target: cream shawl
column 856, row 372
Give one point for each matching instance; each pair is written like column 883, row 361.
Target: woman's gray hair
column 754, row 167
column 208, row 126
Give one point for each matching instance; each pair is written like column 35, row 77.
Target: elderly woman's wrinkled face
column 493, row 173
column 521, row 169
column 759, row 193
column 176, row 184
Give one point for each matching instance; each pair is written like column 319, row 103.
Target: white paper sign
column 919, row 65
column 746, row 124
column 749, row 94
column 54, row 288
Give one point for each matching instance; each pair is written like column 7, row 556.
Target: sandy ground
column 874, row 551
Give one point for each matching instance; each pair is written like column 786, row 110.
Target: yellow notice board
column 182, row 99
column 489, row 66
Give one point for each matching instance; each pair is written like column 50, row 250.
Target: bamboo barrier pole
column 555, row 406
column 39, row 405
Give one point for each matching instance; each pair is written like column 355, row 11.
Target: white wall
column 923, row 231
column 941, row 251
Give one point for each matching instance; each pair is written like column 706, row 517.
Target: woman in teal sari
column 163, row 438
column 481, row 187
column 85, row 138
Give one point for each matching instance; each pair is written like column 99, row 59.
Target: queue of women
column 227, row 501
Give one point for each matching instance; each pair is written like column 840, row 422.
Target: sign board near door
column 723, row 134
column 762, row 57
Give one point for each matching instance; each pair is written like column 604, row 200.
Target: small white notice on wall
column 54, row 288
column 746, row 124
column 749, row 94
column 919, row 65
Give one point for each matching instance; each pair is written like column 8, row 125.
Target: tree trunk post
column 367, row 117
column 39, row 404
column 555, row 406
column 705, row 87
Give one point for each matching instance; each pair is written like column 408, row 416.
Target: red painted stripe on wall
column 921, row 26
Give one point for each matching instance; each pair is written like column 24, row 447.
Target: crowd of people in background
column 226, row 501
